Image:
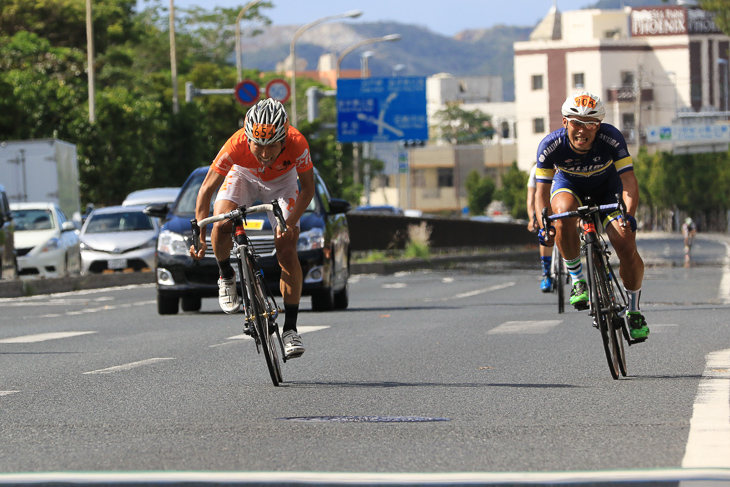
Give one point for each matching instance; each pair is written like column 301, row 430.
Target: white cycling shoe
column 228, row 295
column 293, row 347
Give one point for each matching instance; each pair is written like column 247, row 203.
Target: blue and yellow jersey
column 608, row 156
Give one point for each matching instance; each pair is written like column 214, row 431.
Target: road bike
column 608, row 302
column 259, row 307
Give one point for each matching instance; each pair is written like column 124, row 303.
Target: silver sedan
column 118, row 239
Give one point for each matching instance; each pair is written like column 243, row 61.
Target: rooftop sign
column 675, row 20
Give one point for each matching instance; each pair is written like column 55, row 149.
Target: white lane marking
column 395, row 285
column 132, row 365
column 57, row 302
column 524, row 327
column 300, row 329
column 42, row 337
column 102, row 308
column 7, row 393
column 447, row 280
column 724, row 291
column 476, row 292
column 46, row 297
column 708, row 444
column 356, row 479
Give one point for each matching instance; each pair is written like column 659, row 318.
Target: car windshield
column 26, row 220
column 119, row 222
column 189, row 195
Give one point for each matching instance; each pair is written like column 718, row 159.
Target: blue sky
column 444, row 17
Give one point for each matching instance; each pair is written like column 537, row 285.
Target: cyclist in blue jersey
column 589, row 158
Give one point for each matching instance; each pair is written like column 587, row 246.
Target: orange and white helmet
column 266, row 122
column 584, row 104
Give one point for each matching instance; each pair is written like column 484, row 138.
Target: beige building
column 661, row 71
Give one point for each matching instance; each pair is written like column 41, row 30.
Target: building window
column 504, row 130
column 578, row 80
column 627, row 79
column 446, row 177
column 538, row 125
column 536, row 82
column 628, row 121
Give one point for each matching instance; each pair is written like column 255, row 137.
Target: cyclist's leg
column 546, row 259
column 564, row 199
column 285, row 189
column 235, row 191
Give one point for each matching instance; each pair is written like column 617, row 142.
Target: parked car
column 7, row 244
column 324, row 251
column 46, row 243
column 117, row 239
column 152, row 195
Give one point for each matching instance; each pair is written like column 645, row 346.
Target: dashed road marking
column 476, row 292
column 129, row 366
column 42, row 337
column 524, row 327
column 300, row 330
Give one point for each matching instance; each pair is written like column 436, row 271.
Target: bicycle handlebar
column 584, row 211
column 239, row 212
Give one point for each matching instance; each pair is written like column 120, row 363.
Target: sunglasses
column 580, row 123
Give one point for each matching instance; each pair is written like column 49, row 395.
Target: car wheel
column 167, row 305
column 191, row 303
column 324, row 300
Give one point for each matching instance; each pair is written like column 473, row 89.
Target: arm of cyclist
column 532, row 219
column 202, row 208
column 542, row 200
column 631, row 198
column 306, row 193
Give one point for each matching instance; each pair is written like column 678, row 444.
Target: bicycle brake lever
column 196, row 234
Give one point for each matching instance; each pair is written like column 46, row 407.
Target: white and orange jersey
column 236, row 152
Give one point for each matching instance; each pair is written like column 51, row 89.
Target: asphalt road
column 469, row 371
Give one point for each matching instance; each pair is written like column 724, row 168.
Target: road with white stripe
column 97, row 381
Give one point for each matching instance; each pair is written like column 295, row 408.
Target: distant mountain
column 421, row 51
column 476, row 52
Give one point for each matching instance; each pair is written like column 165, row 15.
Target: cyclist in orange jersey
column 261, row 162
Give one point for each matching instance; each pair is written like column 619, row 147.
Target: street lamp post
column 390, row 37
column 293, row 55
column 239, row 69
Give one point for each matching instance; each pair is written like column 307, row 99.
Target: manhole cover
column 364, row 419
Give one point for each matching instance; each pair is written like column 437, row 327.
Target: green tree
column 480, row 191
column 513, row 192
column 459, row 126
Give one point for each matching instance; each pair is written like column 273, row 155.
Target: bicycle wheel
column 558, row 271
column 268, row 315
column 620, row 304
column 601, row 306
column 262, row 317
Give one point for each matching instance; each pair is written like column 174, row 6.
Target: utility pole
column 173, row 59
column 90, row 62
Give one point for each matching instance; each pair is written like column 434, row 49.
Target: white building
column 654, row 67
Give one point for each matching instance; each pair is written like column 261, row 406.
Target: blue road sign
column 381, row 109
column 247, row 92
